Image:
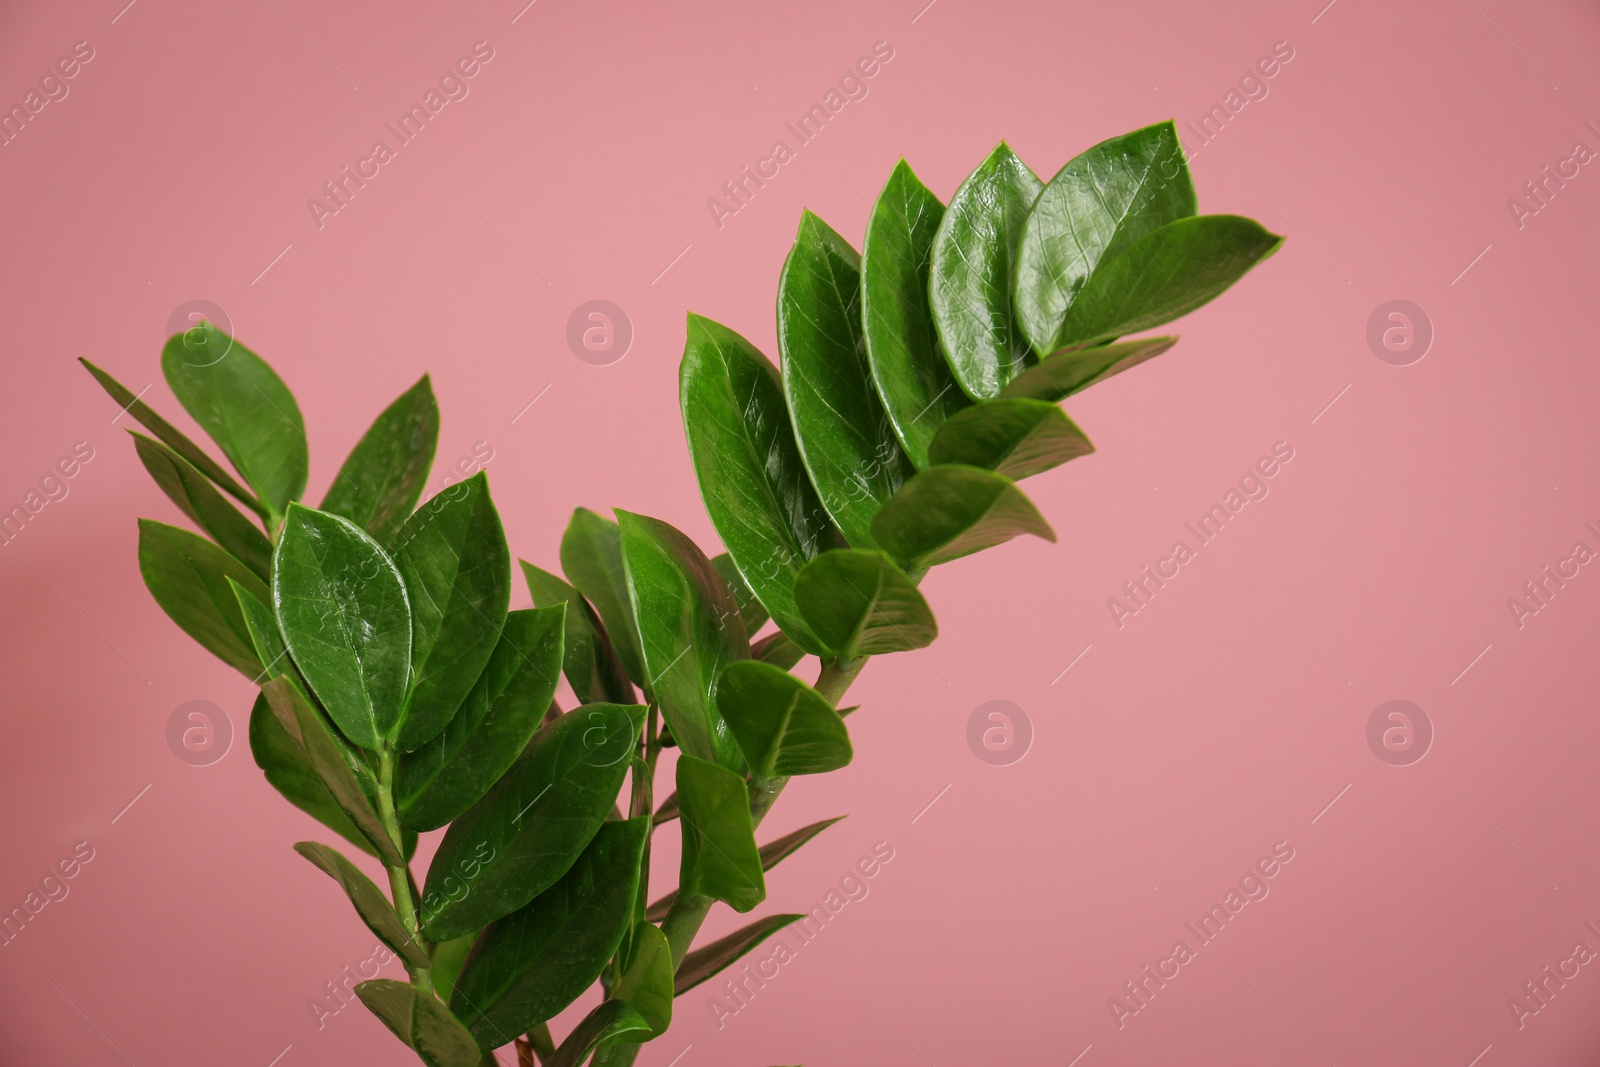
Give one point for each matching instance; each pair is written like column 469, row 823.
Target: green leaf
column 288, row 770
column 845, row 438
column 668, row 809
column 970, row 284
column 612, row 1021
column 1168, row 272
column 1013, row 436
column 776, row 648
column 533, row 963
column 452, row 554
column 450, row 773
column 1096, row 206
column 751, row 611
column 591, row 557
column 422, row 1022
column 690, row 627
column 244, row 407
column 771, row 854
column 706, row 961
column 719, row 857
column 1059, row 376
column 188, row 576
column 754, row 485
column 587, row 657
column 174, row 438
column 382, row 478
column 783, row 725
column 373, row 907
column 908, row 366
column 861, row 604
column 646, row 982
column 343, row 610
column 945, row 513
column 530, row 827
column 198, row 498
column 448, row 956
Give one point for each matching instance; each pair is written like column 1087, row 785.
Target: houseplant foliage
column 401, row 694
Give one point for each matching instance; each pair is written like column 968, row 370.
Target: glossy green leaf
column 752, row 480
column 288, row 770
column 778, row 649
column 1168, row 272
column 783, row 725
column 197, row 497
column 188, row 576
column 448, row 956
column 861, row 604
column 908, row 366
column 587, row 656
column 1064, row 373
column 422, row 1022
column 383, row 476
column 531, row 964
column 719, row 856
column 771, row 854
column 612, row 1021
column 945, row 513
column 1096, row 206
column 1014, row 436
column 530, row 827
column 452, row 554
column 646, row 982
column 751, row 611
column 450, row 773
column 690, row 627
column 245, row 408
column 970, row 284
column 845, row 439
column 591, row 558
column 373, row 907
column 706, row 961
column 343, row 610
column 174, row 438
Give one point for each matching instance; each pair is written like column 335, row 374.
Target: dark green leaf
column 719, row 857
column 245, row 408
column 1013, row 436
column 447, row 775
column 861, row 604
column 591, row 557
column 288, row 770
column 845, row 438
column 531, row 964
column 587, row 657
column 970, row 284
column 383, row 476
column 668, row 809
column 342, row 607
column 448, row 956
column 945, row 513
column 527, row 830
column 783, row 725
column 452, row 554
column 422, row 1022
column 755, row 487
column 690, row 627
column 751, row 611
column 174, row 438
column 613, row 1021
column 646, row 982
column 1059, row 376
column 908, row 366
column 777, row 649
column 771, row 853
column 373, row 907
column 198, row 498
column 706, row 961
column 188, row 576
column 1168, row 272
column 1096, row 206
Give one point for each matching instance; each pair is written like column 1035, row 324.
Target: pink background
column 1224, row 718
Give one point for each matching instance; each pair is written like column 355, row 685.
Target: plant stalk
column 400, row 884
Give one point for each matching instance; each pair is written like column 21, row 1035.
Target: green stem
column 400, row 884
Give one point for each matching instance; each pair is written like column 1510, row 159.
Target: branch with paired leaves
column 400, row 694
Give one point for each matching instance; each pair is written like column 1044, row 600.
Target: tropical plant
column 400, row 693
